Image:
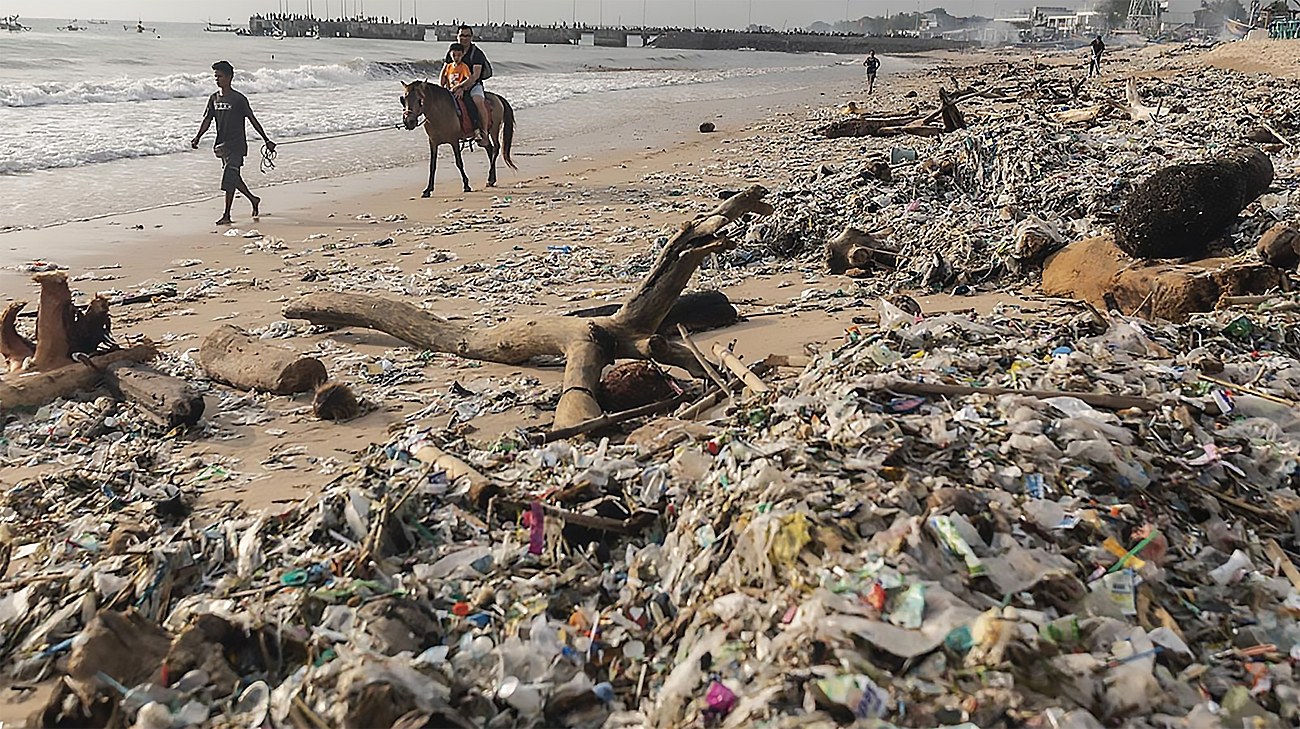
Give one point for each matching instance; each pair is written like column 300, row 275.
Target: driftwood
column 855, row 253
column 237, row 359
column 37, row 388
column 169, row 400
column 905, row 123
column 63, row 329
column 587, row 345
column 699, row 310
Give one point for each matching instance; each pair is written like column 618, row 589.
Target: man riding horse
column 480, row 70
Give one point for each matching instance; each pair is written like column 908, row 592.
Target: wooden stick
column 699, row 356
column 1110, row 402
column 733, row 363
column 1249, row 391
column 693, row 411
column 1275, row 133
column 797, row 361
column 653, row 408
column 1280, row 559
column 634, row 524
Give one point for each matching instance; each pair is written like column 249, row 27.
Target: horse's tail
column 507, row 134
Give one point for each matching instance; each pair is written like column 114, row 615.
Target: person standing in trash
column 480, row 70
column 1094, row 64
column 229, row 108
column 873, row 64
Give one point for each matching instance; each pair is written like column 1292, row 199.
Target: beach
column 605, row 179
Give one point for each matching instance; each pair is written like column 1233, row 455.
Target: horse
column 442, row 124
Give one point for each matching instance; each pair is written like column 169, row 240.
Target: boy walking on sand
column 229, row 109
column 873, row 64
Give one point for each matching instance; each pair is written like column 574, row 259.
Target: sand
column 595, row 179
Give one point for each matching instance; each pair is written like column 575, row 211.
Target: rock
column 707, row 127
column 1280, row 246
column 126, row 646
column 1178, row 210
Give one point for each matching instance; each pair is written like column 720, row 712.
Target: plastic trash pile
column 959, row 208
column 834, row 551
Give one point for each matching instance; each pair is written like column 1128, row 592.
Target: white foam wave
column 183, row 85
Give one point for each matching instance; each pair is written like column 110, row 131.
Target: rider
column 480, row 70
column 456, row 75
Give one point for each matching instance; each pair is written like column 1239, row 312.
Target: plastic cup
column 527, row 700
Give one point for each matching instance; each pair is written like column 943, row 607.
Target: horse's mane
column 431, row 87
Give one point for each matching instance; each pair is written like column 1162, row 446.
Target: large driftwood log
column 587, row 345
column 37, row 388
column 170, row 400
column 237, row 359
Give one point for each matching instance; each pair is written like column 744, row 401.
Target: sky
column 708, row 13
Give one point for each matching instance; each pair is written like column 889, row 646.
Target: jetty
column 610, row 37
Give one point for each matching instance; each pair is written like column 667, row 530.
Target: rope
column 268, row 154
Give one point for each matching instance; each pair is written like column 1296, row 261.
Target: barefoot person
column 873, row 65
column 230, row 108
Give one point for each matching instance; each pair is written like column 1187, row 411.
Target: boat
column 97, row 22
column 11, row 24
column 221, row 28
column 71, row 26
column 139, row 28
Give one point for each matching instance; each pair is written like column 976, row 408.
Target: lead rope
column 268, row 154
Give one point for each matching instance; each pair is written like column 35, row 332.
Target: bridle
column 413, row 104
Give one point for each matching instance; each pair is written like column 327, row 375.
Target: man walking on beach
column 873, row 64
column 480, row 70
column 1094, row 64
column 229, row 109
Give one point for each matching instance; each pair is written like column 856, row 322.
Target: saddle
column 469, row 118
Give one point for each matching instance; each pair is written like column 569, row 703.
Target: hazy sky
column 710, row 13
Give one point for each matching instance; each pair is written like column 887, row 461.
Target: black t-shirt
column 1097, row 47
column 873, row 64
column 475, row 57
column 230, row 111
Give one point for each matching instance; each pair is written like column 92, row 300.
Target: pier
column 614, row 37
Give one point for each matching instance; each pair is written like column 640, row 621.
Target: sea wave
column 196, row 85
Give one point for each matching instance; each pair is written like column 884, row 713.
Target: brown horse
column 442, row 124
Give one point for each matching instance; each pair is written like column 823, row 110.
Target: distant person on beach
column 873, row 65
column 1094, row 63
column 480, row 70
column 229, row 109
column 456, row 75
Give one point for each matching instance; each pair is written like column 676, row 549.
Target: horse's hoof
column 468, row 189
column 492, row 183
column 426, row 193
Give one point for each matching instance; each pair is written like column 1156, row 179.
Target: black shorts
column 230, row 177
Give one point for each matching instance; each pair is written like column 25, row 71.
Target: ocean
column 98, row 122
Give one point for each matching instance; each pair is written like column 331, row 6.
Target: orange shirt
column 454, row 73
